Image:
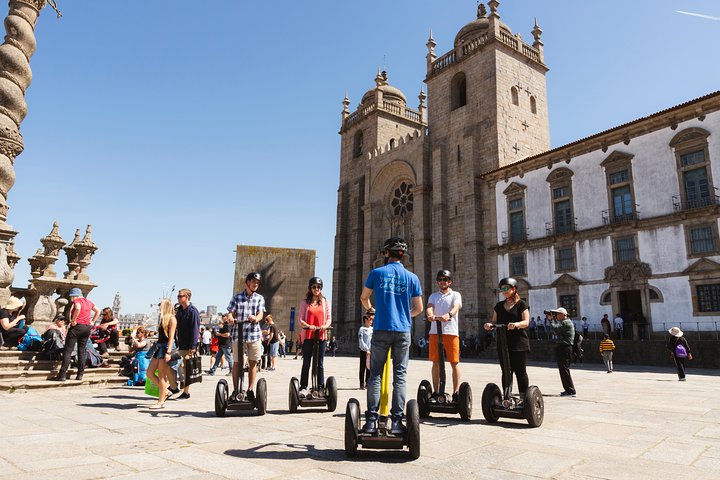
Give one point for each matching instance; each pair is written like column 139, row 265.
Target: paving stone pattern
column 634, row 423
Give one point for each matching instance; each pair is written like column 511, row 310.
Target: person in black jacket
column 679, row 350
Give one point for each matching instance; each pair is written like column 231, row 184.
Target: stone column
column 15, row 77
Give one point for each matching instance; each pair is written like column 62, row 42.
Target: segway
column 382, row 439
column 496, row 404
column 443, row 402
column 316, row 397
column 223, row 402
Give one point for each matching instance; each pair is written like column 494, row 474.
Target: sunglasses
column 443, row 279
column 505, row 289
column 316, row 287
column 181, row 296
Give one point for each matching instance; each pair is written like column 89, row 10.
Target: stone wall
column 285, row 274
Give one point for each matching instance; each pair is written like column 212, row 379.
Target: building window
column 606, row 298
column 619, row 180
column 517, row 264
column 701, row 239
column 392, row 143
column 402, row 202
column 564, row 259
column 533, row 105
column 358, row 144
column 561, row 195
column 515, row 197
column 569, row 303
column 693, row 164
column 516, row 210
column 458, row 91
column 625, row 250
column 514, row 95
column 708, row 297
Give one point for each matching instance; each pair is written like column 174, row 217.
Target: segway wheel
column 423, row 398
column 534, row 406
column 261, row 397
column 221, row 398
column 294, row 395
column 412, row 413
column 465, row 401
column 331, row 395
column 491, row 396
column 352, row 422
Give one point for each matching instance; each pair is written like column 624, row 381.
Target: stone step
column 87, row 381
column 42, row 365
column 44, row 374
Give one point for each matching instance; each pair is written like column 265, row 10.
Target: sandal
column 156, row 406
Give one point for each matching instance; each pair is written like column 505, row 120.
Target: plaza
column 638, row 422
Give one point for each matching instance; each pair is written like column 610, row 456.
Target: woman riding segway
column 315, row 320
column 512, row 318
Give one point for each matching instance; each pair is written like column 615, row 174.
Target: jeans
column 382, row 341
column 307, row 353
column 223, row 350
column 79, row 335
column 364, row 373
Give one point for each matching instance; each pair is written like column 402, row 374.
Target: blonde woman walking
column 161, row 357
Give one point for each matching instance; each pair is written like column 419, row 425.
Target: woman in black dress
column 514, row 313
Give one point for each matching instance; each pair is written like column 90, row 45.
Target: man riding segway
column 398, row 298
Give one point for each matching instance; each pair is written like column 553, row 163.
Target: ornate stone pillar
column 15, row 77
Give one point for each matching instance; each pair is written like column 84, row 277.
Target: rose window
column 402, row 202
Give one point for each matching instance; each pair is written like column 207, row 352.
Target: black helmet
column 315, row 281
column 508, row 281
column 395, row 244
column 253, row 276
column 443, row 273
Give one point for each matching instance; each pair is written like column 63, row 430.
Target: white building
column 624, row 221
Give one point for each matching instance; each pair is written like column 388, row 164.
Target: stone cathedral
column 416, row 172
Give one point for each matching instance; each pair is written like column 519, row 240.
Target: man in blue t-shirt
column 398, row 298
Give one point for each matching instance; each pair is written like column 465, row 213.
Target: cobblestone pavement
column 634, row 423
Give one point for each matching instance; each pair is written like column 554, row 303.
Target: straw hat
column 13, row 303
column 675, row 332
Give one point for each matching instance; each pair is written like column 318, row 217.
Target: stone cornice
column 671, row 117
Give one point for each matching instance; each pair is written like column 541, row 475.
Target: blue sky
column 180, row 129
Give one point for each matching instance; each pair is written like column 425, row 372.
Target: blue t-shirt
column 393, row 286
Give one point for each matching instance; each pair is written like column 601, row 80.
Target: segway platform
column 443, row 402
column 316, row 397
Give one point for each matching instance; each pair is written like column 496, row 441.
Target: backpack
column 31, row 341
column 680, row 351
column 577, row 346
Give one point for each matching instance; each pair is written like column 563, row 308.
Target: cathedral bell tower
column 380, row 153
column 487, row 109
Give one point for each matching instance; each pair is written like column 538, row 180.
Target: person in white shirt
column 444, row 305
column 618, row 322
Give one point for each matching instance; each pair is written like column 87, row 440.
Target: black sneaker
column 455, row 397
column 370, row 427
column 433, row 398
column 79, row 376
column 250, row 396
column 58, row 378
column 567, row 394
column 397, row 427
column 183, row 396
column 171, row 392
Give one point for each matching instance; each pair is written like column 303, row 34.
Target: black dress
column 518, row 343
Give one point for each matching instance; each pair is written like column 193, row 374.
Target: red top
column 315, row 316
column 85, row 307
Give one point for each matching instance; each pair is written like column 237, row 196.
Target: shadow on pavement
column 297, row 451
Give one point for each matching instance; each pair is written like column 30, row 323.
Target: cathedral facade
column 472, row 185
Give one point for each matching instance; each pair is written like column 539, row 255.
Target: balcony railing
column 680, row 204
column 553, row 229
column 609, row 218
column 513, row 237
